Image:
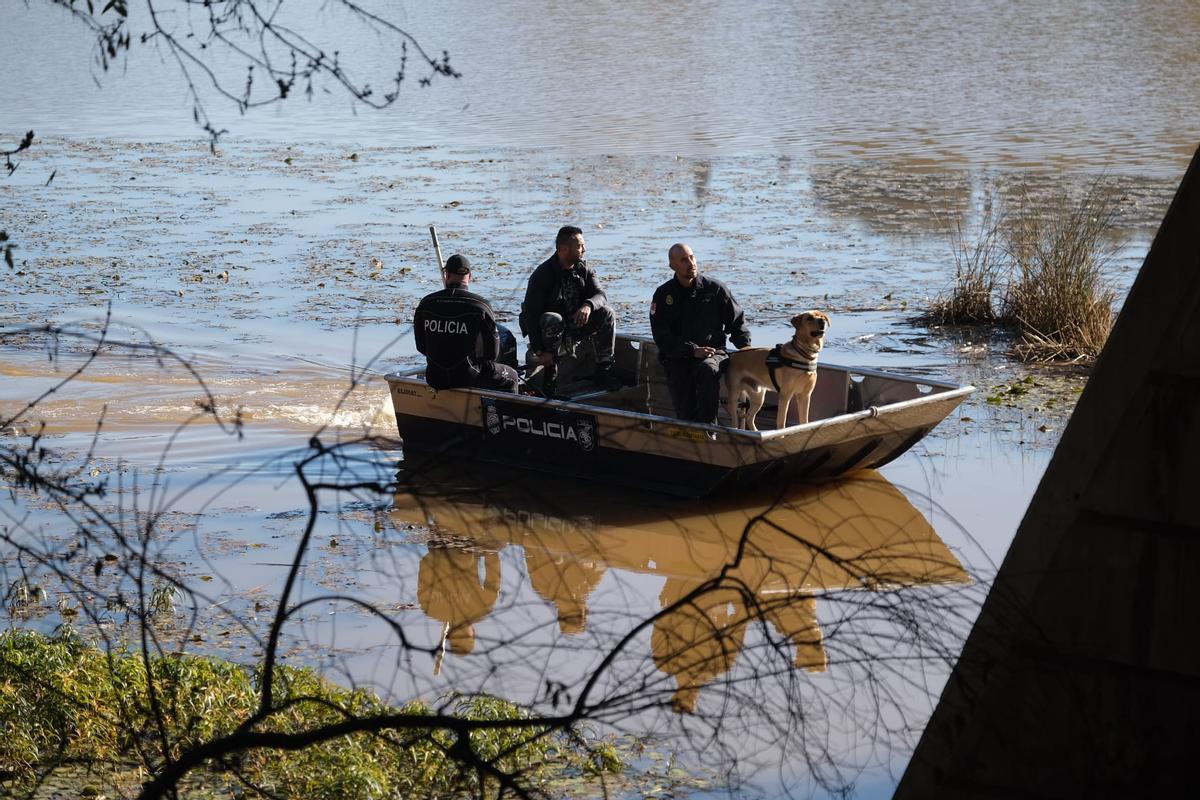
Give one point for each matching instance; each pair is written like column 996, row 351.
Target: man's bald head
column 683, row 264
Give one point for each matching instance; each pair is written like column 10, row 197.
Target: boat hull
column 688, row 470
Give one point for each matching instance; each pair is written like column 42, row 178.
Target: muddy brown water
column 815, row 160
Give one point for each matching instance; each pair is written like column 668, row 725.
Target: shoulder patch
column 653, row 307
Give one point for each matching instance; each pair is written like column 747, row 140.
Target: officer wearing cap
column 690, row 316
column 457, row 333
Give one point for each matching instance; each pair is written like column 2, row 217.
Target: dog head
column 810, row 329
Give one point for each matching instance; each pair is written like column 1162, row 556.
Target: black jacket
column 683, row 319
column 456, row 331
column 545, row 292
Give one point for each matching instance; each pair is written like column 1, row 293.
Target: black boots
column 604, row 377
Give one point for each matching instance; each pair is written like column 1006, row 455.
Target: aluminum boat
column 859, row 419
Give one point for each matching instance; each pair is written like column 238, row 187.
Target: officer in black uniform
column 457, row 332
column 566, row 305
column 690, row 316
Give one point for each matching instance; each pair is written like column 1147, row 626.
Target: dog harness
column 777, row 360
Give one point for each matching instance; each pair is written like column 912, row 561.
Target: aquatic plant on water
column 1058, row 298
column 1037, row 268
column 979, row 264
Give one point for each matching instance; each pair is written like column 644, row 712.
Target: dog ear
column 798, row 320
column 825, row 317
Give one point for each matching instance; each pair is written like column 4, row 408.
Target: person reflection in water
column 566, row 583
column 451, row 591
column 700, row 641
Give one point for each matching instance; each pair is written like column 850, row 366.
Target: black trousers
column 500, row 377
column 561, row 335
column 695, row 387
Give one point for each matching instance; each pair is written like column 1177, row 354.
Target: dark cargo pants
column 695, row 387
column 561, row 337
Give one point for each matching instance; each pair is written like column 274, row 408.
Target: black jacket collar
column 701, row 282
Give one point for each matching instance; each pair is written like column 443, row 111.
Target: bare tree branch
column 258, row 39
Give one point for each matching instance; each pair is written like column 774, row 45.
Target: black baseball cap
column 458, row 265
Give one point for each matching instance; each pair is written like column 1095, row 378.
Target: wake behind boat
column 860, row 419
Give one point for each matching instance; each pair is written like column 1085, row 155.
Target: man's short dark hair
column 565, row 233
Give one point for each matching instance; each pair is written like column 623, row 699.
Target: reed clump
column 1058, row 299
column 979, row 265
column 1037, row 268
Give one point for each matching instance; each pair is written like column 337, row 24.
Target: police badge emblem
column 583, row 429
column 492, row 419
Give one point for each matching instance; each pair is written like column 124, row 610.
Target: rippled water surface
column 1107, row 85
column 813, row 155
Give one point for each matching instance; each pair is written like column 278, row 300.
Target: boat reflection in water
column 727, row 562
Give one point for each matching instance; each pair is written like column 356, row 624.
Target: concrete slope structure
column 1081, row 677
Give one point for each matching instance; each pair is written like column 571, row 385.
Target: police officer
column 458, row 335
column 564, row 305
column 690, row 316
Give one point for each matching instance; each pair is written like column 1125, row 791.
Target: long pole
column 437, row 249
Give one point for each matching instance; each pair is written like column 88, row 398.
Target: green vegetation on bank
column 64, row 703
column 1037, row 268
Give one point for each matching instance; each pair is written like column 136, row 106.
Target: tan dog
column 792, row 371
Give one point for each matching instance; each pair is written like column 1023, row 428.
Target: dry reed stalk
column 1059, row 299
column 978, row 265
column 1071, row 347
